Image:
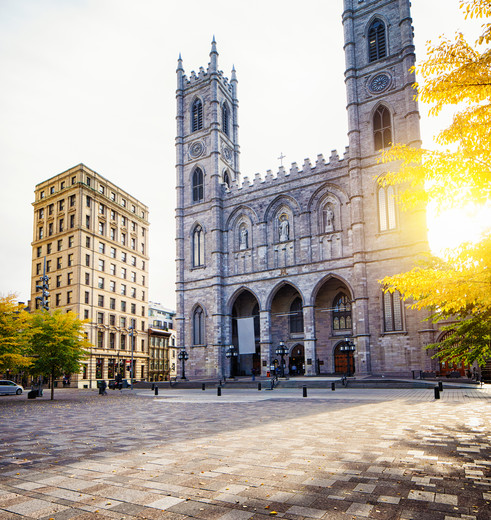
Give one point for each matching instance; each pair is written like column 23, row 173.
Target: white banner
column 245, row 329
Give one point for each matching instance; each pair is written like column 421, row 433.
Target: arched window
column 392, row 312
column 197, row 115
column 198, row 185
column 296, row 316
column 377, row 43
column 341, row 313
column 198, row 327
column 225, row 119
column 198, row 247
column 382, row 128
column 226, row 179
column 387, row 208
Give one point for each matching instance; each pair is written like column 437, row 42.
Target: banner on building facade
column 245, row 329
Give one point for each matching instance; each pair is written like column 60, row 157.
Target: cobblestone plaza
column 352, row 453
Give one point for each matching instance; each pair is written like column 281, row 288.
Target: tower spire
column 213, row 65
column 180, row 72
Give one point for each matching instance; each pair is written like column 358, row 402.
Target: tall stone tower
column 207, row 164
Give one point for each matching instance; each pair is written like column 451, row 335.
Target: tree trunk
column 52, row 386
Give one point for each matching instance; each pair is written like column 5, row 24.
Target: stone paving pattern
column 188, row 454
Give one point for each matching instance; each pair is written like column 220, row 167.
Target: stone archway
column 333, row 311
column 244, row 307
column 297, row 360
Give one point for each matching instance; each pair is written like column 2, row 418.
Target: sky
column 93, row 82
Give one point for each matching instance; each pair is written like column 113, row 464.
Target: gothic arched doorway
column 297, row 360
column 245, row 335
column 343, row 359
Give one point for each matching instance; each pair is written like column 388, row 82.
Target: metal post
column 156, row 390
column 259, row 386
column 437, row 393
column 132, row 349
column 203, row 386
column 333, row 386
column 219, row 391
column 304, row 391
column 440, row 386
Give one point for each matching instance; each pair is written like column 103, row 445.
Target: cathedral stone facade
column 301, row 252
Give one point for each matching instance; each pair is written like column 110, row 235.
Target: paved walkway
column 352, row 453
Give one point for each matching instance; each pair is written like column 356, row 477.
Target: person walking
column 103, row 387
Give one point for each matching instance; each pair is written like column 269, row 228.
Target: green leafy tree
column 58, row 343
column 14, row 324
column 457, row 287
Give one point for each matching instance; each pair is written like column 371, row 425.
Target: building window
column 133, row 308
column 113, row 196
column 112, row 252
column 61, row 205
column 61, row 224
column 69, row 297
column 133, row 243
column 72, row 200
column 57, row 300
column 113, row 215
column 100, row 300
column 112, row 340
column 60, row 245
column 41, row 213
column 123, row 272
column 50, row 229
column 133, row 226
column 39, row 251
column 102, row 228
column 382, row 128
column 123, row 257
column 341, row 314
column 87, row 241
column 100, row 283
column 87, row 279
column 72, row 221
column 62, row 185
column 38, row 268
column 143, row 249
column 112, row 269
column 123, row 203
column 48, row 248
column 58, row 281
column 123, row 338
column 133, row 276
column 87, row 297
column 102, row 209
column 112, row 286
column 58, row 263
column 87, row 260
column 197, row 115
column 70, row 260
column 133, row 260
column 112, row 234
column 198, row 247
column 133, row 292
column 86, row 315
column 102, row 248
column 377, row 43
column 48, row 266
column 87, row 221
column 392, row 312
column 88, row 200
column 70, row 241
column 123, row 238
column 41, row 195
column 51, row 208
column 198, row 326
column 387, row 208
column 112, row 305
column 100, row 318
column 69, row 278
column 52, row 190
column 123, row 306
column 101, row 189
column 112, row 319
column 225, row 119
column 100, row 344
column 101, row 265
column 197, row 185
column 133, row 209
column 296, row 316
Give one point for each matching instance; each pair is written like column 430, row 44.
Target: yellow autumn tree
column 459, row 286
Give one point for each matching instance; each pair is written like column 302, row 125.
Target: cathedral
column 294, row 260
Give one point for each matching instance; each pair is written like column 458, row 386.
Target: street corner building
column 296, row 257
column 91, row 241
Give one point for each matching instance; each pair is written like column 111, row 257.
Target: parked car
column 9, row 387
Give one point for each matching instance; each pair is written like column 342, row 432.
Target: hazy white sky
column 93, row 81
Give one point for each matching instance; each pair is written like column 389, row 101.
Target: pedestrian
column 103, row 387
column 253, row 371
column 293, row 370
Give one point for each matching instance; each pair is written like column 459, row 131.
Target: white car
column 9, row 387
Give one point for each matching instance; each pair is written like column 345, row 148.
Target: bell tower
column 207, row 165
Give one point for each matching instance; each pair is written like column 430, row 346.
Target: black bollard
column 156, row 390
column 153, row 386
column 304, row 391
column 440, row 386
column 437, row 393
column 259, row 386
column 333, row 386
column 203, row 386
column 219, row 391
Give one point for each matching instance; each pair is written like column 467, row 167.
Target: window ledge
column 395, row 332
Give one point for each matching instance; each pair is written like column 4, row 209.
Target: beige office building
column 93, row 238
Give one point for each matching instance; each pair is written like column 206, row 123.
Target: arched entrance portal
column 343, row 359
column 245, row 335
column 297, row 360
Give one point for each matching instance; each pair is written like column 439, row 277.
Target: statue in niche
column 284, row 228
column 328, row 219
column 244, row 238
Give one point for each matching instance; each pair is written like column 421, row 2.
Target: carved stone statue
column 284, row 228
column 329, row 219
column 244, row 239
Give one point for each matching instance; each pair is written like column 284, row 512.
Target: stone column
column 265, row 324
column 310, row 340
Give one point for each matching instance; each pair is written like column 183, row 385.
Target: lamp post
column 183, row 356
column 348, row 346
column 231, row 353
column 282, row 351
column 132, row 341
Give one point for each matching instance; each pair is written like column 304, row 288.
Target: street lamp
column 132, row 341
column 282, row 350
column 183, row 356
column 348, row 346
column 231, row 353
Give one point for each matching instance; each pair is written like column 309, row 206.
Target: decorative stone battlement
column 282, row 175
column 204, row 75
